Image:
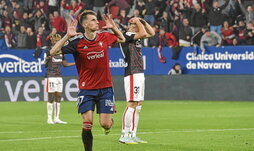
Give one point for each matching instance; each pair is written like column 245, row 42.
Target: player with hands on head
column 134, row 79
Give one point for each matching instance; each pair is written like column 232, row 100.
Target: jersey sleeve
column 112, row 38
column 129, row 36
column 71, row 45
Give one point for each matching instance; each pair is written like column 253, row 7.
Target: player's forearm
column 59, row 45
column 119, row 34
column 141, row 30
column 69, row 64
column 149, row 30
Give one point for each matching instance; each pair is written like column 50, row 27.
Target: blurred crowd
column 28, row 24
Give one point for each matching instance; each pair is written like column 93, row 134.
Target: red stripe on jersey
column 123, row 124
column 133, row 120
column 47, row 85
column 131, row 87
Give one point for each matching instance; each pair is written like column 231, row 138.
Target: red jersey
column 91, row 58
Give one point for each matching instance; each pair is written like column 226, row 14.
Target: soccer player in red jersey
column 90, row 51
column 134, row 79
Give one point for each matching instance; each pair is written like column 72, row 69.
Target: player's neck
column 90, row 35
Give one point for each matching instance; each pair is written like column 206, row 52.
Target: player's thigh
column 106, row 101
column 87, row 116
column 134, row 87
column 59, row 87
column 127, row 82
column 51, row 84
column 86, row 101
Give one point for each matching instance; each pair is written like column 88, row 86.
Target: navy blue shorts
column 102, row 98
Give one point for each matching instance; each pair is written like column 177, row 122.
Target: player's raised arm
column 141, row 32
column 66, row 64
column 111, row 25
column 148, row 28
column 71, row 31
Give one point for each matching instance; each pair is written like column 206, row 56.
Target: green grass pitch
column 166, row 125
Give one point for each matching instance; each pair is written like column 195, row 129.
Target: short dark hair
column 83, row 15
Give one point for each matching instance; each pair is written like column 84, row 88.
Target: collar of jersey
column 89, row 39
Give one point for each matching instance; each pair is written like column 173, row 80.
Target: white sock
column 56, row 110
column 49, row 110
column 127, row 120
column 136, row 120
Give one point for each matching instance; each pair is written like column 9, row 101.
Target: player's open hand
column 134, row 20
column 71, row 31
column 109, row 21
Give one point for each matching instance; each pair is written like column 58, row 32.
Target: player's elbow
column 152, row 34
column 121, row 40
column 143, row 35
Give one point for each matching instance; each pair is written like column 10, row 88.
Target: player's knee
column 58, row 99
column 106, row 124
column 138, row 108
column 87, row 126
column 140, row 103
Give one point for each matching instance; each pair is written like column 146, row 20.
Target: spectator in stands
column 196, row 38
column 38, row 19
column 89, row 4
column 140, row 5
column 239, row 31
column 161, row 39
column 31, row 39
column 149, row 12
column 6, row 20
column 249, row 13
column 185, row 33
column 16, row 21
column 40, row 5
column 227, row 33
column 2, row 42
column 215, row 16
column 2, row 5
column 28, row 5
column 165, row 22
column 21, row 37
column 122, row 4
column 9, row 38
column 136, row 13
column 235, row 42
column 123, row 17
column 248, row 3
column 53, row 32
column 198, row 18
column 210, row 38
column 25, row 20
column 41, row 38
column 75, row 6
column 52, row 6
column 185, row 9
column 249, row 34
column 176, row 70
column 10, row 8
column 99, row 6
column 19, row 10
column 58, row 22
